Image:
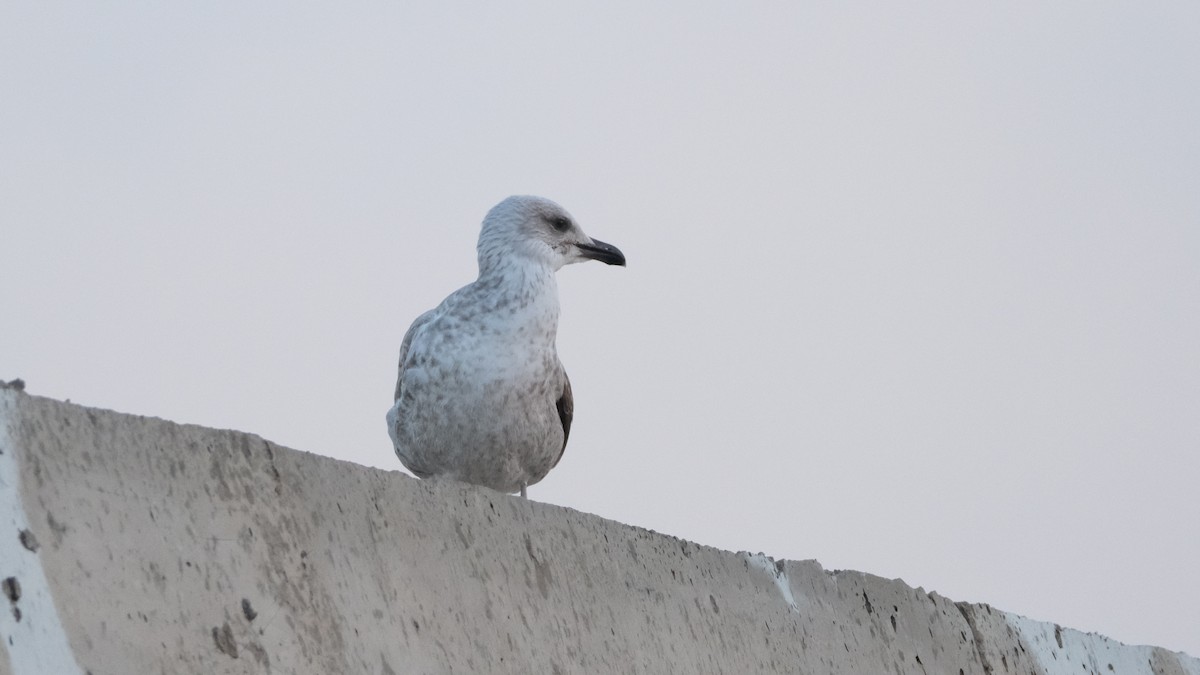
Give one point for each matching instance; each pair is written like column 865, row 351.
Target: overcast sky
column 913, row 289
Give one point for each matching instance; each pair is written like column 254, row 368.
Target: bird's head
column 539, row 230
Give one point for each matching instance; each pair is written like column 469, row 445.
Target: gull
column 481, row 396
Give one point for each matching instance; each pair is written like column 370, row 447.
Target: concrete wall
column 136, row 545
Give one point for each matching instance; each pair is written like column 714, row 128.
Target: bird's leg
column 523, row 495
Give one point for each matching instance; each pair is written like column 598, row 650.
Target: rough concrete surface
column 136, row 545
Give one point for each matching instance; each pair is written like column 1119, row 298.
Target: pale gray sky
column 912, row 289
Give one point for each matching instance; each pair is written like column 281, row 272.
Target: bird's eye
column 560, row 223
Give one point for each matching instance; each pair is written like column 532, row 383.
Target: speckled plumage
column 481, row 396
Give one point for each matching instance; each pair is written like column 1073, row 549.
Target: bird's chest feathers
column 503, row 334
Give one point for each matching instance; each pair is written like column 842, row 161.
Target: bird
column 481, row 396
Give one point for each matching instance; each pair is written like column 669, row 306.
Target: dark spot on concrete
column 918, row 658
column 867, row 602
column 1004, row 661
column 416, row 626
column 12, row 589
column 223, row 636
column 28, row 540
column 894, row 625
column 17, row 384
column 541, row 570
column 247, row 610
column 714, row 603
column 274, row 470
column 58, row 529
column 1058, row 635
column 462, row 536
column 260, row 655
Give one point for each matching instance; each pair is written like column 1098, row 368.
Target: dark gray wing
column 566, row 412
column 421, row 321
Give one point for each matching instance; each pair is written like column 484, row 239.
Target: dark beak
column 605, row 253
